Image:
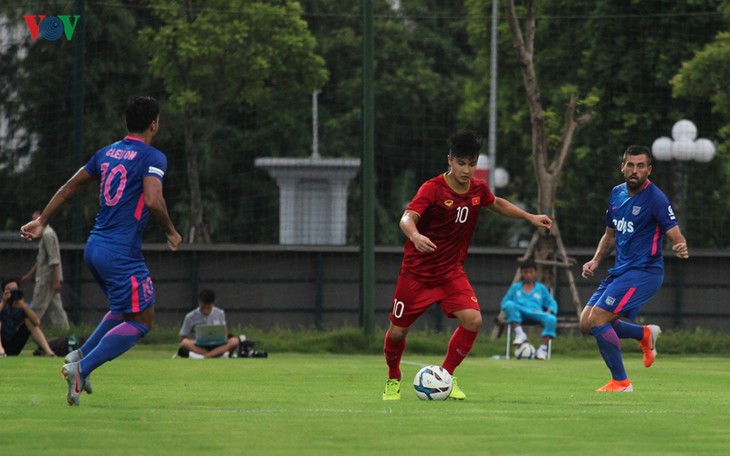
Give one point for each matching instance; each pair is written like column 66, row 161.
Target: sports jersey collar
column 648, row 182
column 460, row 192
column 132, row 138
column 626, row 187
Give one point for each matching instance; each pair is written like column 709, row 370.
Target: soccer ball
column 525, row 351
column 432, row 383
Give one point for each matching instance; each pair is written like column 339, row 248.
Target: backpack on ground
column 62, row 346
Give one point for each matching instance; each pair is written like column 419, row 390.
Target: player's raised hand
column 32, row 230
column 174, row 240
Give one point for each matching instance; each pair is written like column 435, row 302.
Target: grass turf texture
column 353, row 341
column 315, row 404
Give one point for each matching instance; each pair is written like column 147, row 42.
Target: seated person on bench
column 207, row 314
column 530, row 301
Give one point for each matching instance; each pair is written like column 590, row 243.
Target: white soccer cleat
column 74, row 357
column 72, row 374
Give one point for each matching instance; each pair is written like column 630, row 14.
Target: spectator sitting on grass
column 207, row 313
column 18, row 322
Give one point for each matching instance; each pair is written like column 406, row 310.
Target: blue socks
column 610, row 348
column 109, row 321
column 626, row 330
column 115, row 342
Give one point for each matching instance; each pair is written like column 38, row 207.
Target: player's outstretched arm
column 155, row 202
column 34, row 229
column 503, row 207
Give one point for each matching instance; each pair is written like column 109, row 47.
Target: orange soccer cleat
column 648, row 343
column 616, row 386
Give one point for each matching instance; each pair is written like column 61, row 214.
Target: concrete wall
column 306, row 287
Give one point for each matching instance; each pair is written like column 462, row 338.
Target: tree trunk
column 198, row 231
column 546, row 245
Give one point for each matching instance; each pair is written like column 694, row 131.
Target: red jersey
column 448, row 218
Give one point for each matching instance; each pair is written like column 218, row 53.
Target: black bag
column 247, row 349
column 62, row 346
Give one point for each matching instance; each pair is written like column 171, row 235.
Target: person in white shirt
column 207, row 313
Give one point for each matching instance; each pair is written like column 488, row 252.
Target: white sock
column 519, row 331
column 543, row 347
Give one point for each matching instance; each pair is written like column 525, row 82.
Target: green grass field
column 146, row 403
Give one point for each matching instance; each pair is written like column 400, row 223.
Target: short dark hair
column 10, row 279
column 140, row 113
column 207, row 296
column 465, row 144
column 637, row 150
column 529, row 263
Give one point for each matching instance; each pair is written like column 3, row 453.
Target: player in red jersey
column 439, row 223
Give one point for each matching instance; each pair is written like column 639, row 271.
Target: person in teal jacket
column 530, row 301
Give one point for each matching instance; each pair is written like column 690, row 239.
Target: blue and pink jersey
column 121, row 168
column 640, row 222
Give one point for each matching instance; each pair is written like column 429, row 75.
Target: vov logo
column 51, row 28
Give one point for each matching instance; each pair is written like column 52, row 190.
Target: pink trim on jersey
column 625, row 299
column 140, row 206
column 655, row 241
column 135, row 294
column 133, row 138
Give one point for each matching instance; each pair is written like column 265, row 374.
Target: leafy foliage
column 241, row 91
column 225, row 53
column 589, row 48
column 37, row 103
column 420, row 67
column 705, row 76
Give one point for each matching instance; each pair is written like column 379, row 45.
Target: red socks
column 393, row 353
column 459, row 346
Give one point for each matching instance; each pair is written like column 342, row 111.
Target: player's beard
column 635, row 184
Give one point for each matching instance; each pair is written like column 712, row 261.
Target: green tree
column 421, row 61
column 36, row 101
column 591, row 48
column 706, row 76
column 213, row 54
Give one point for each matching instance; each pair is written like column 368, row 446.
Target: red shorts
column 412, row 298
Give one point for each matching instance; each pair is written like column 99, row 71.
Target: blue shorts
column 125, row 280
column 626, row 294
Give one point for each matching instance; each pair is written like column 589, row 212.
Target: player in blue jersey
column 130, row 174
column 639, row 215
